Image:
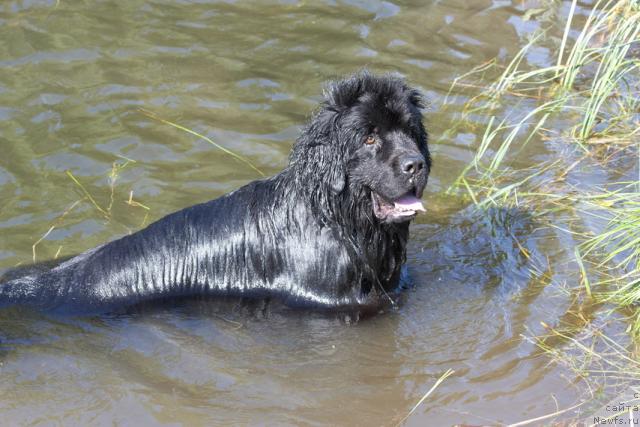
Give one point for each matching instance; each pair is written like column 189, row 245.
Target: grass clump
column 104, row 210
column 584, row 112
column 592, row 88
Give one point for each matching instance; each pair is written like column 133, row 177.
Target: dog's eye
column 370, row 140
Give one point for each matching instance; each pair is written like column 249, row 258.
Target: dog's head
column 368, row 135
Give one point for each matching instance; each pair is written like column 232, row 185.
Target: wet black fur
column 307, row 235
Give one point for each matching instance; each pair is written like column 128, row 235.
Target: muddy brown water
column 247, row 75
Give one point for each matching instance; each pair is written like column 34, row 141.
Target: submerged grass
column 105, row 211
column 236, row 156
column 592, row 95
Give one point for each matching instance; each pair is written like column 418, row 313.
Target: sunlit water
column 247, row 75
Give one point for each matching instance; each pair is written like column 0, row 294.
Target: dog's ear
column 318, row 154
column 418, row 99
column 333, row 152
column 337, row 180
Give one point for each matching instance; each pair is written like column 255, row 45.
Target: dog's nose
column 411, row 165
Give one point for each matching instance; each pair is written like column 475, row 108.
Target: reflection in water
column 72, row 77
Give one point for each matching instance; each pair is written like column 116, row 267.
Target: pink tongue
column 410, row 203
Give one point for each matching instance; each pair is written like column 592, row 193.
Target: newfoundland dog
column 329, row 231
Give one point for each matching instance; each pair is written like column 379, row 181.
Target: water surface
column 247, row 75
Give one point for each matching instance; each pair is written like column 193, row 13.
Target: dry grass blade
column 427, row 394
column 546, row 417
column 88, row 195
column 57, row 221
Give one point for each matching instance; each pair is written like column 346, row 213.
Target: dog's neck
column 377, row 249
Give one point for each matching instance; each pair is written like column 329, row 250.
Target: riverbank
column 584, row 111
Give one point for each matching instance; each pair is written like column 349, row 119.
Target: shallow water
column 247, row 75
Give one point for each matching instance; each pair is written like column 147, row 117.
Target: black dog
column 330, row 230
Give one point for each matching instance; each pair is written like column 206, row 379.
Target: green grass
column 605, row 96
column 588, row 101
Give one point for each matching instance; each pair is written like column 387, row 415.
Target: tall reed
column 589, row 99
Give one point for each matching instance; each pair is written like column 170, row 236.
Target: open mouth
column 402, row 209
